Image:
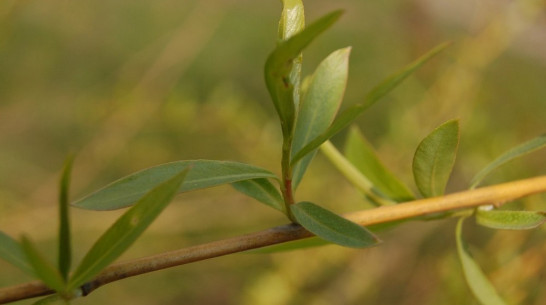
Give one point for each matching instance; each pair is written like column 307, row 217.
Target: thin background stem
column 497, row 195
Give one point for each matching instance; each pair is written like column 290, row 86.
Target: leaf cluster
column 308, row 116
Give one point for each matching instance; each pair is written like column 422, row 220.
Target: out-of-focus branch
column 497, row 195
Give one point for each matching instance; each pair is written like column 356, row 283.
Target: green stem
column 286, row 186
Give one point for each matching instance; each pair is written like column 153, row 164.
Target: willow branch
column 497, row 195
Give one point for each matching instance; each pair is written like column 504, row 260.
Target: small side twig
column 496, row 194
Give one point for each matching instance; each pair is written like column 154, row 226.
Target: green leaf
column 518, row 151
column 262, row 190
column 123, row 233
column 362, row 155
column 280, row 64
column 293, row 21
column 51, row 300
column 13, row 253
column 65, row 252
column 510, row 220
column 332, row 227
column 43, row 269
column 482, row 289
column 320, row 104
column 203, row 174
column 346, row 117
column 434, row 159
column 353, row 175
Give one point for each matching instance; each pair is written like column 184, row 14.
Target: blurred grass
column 129, row 85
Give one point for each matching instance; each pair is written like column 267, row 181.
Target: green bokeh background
column 131, row 84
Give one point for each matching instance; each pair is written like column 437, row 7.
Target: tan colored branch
column 497, row 194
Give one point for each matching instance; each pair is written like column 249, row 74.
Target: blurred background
column 131, row 84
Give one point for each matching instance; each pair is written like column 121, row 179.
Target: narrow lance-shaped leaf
column 293, row 21
column 12, row 252
column 279, row 66
column 263, row 191
column 482, row 289
column 320, row 104
column 43, row 269
column 123, row 233
column 510, row 220
column 55, row 299
column 332, row 227
column 203, row 174
column 434, row 159
column 518, row 151
column 361, row 182
column 65, row 252
column 346, row 117
column 362, row 155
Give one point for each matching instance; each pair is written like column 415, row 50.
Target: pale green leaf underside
column 346, row 117
column 482, row 289
column 292, row 19
column 320, row 104
column 123, row 233
column 263, row 191
column 510, row 220
column 518, row 151
column 12, row 252
column 280, row 65
column 332, row 227
column 43, row 269
column 434, row 159
column 203, row 174
column 362, row 155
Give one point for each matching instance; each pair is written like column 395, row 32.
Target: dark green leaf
column 434, row 159
column 362, row 155
column 346, row 117
column 11, row 251
column 518, row 151
column 332, row 227
column 65, row 252
column 203, row 174
column 261, row 190
column 124, row 232
column 320, row 104
column 280, row 65
column 482, row 289
column 43, row 269
column 510, row 220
